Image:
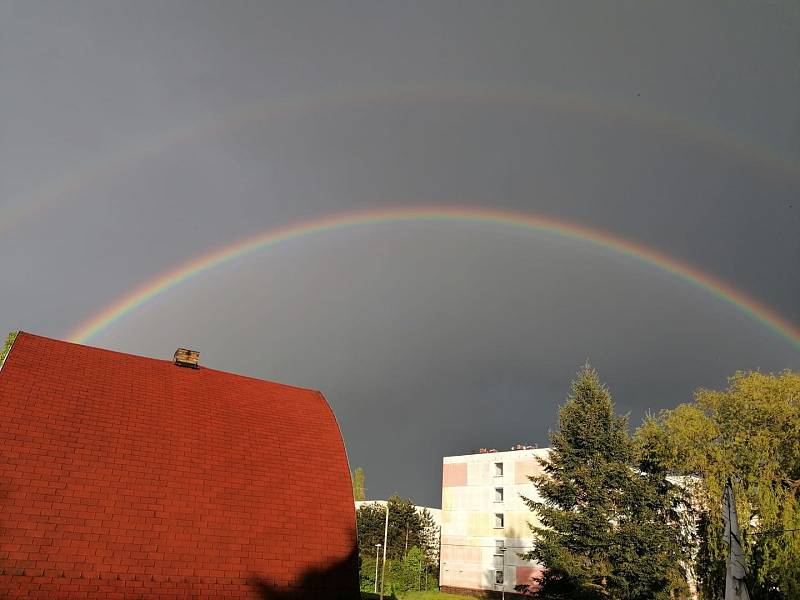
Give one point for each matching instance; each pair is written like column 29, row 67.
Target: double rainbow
column 534, row 223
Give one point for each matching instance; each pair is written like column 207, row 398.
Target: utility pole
column 377, row 560
column 736, row 566
column 503, row 590
column 385, row 538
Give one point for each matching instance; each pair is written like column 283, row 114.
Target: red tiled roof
column 124, row 476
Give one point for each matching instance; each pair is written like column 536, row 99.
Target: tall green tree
column 359, row 491
column 429, row 538
column 602, row 530
column 413, row 537
column 407, row 528
column 751, row 432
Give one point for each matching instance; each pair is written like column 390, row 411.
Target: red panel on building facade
column 127, row 477
column 454, row 474
column 528, row 576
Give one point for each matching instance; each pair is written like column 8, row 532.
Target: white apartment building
column 485, row 521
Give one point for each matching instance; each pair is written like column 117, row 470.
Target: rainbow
column 535, row 223
column 71, row 184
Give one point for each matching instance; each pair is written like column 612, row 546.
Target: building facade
column 485, row 522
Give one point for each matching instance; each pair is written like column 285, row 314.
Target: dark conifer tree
column 407, row 527
column 602, row 531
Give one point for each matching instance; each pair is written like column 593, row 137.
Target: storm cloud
column 137, row 136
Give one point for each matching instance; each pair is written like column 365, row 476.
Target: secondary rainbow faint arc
column 537, row 223
column 562, row 101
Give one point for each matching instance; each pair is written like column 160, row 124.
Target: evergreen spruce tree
column 602, row 530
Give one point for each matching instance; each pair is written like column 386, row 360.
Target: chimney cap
column 187, row 358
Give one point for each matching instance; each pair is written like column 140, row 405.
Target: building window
column 498, row 494
column 499, row 547
column 498, row 469
column 498, row 577
column 498, row 520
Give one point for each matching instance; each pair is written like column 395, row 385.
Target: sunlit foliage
column 751, row 433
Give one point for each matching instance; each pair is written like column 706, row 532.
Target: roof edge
column 328, row 406
column 500, row 453
column 141, row 356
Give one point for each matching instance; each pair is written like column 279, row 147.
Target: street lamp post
column 503, row 589
column 385, row 537
column 377, row 549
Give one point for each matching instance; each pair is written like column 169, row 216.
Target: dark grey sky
column 135, row 136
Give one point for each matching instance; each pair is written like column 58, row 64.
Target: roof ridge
column 26, row 334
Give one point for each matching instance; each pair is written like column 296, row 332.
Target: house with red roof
column 129, row 477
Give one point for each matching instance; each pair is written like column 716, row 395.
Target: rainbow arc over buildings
column 647, row 256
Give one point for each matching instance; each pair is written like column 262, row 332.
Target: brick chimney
column 187, row 358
